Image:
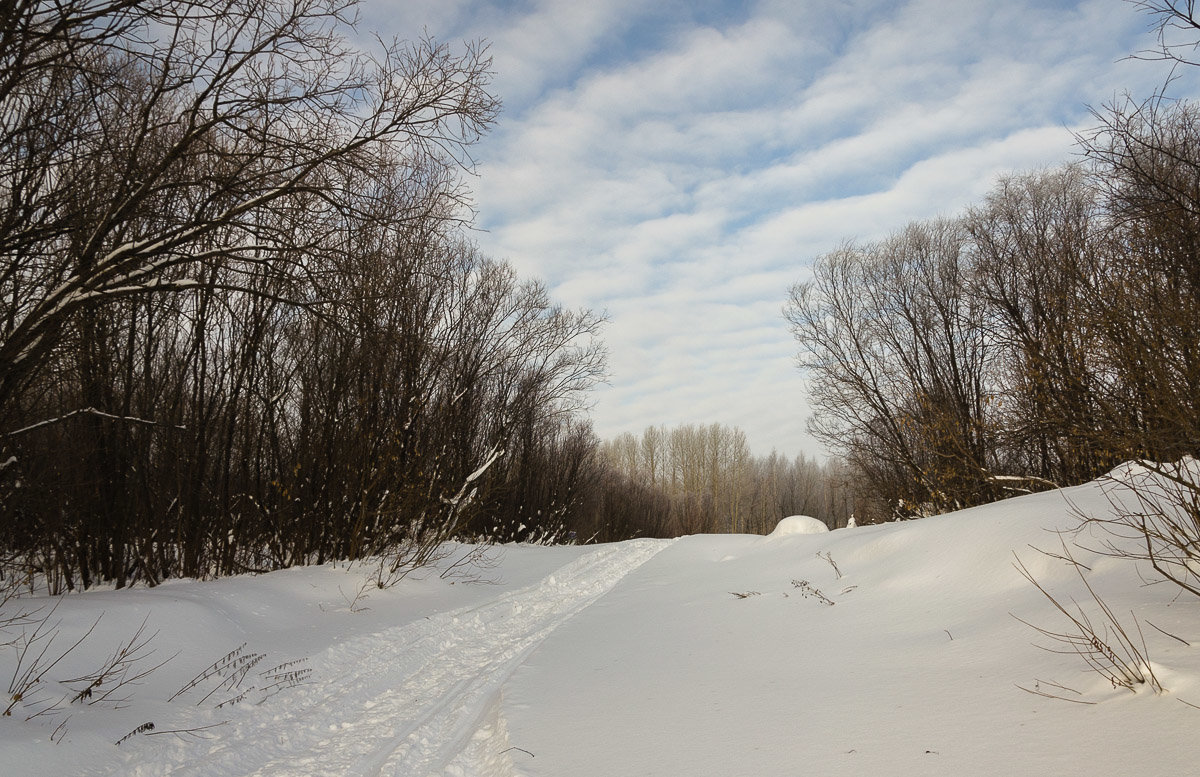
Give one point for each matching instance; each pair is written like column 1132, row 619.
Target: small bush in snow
column 1105, row 645
column 808, row 591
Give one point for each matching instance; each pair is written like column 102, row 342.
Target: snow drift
column 799, row 524
column 884, row 650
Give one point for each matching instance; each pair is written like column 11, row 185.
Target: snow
column 883, row 650
column 799, row 524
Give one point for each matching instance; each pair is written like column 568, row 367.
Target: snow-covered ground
column 879, row 650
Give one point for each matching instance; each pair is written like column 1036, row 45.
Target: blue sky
column 679, row 164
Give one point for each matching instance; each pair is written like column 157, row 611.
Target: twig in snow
column 183, row 733
column 829, row 557
column 809, row 592
column 1107, row 648
column 30, row 668
column 231, row 669
column 120, row 670
column 1169, row 634
column 1036, row 690
column 147, row 726
column 60, row 731
column 355, row 605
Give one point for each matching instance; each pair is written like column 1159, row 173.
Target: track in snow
column 416, row 700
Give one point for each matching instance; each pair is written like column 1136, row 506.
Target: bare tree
column 901, row 366
column 1038, row 249
column 188, row 137
column 240, row 324
column 1176, row 26
column 705, row 480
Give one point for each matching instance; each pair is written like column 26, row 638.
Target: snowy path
column 415, row 700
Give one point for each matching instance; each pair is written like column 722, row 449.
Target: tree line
column 694, row 479
column 1038, row 340
column 242, row 324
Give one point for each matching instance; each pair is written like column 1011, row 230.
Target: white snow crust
column 799, row 524
column 707, row 655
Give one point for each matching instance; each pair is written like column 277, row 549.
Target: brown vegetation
column 241, row 326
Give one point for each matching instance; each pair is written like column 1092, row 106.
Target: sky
column 679, row 165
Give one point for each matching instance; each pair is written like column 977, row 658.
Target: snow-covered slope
column 878, row 650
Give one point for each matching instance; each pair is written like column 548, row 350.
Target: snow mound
column 799, row 524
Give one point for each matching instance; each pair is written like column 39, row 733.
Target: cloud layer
column 680, row 164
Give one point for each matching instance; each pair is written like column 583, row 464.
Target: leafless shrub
column 429, row 534
column 145, row 727
column 829, row 557
column 1106, row 646
column 472, row 565
column 355, row 604
column 198, row 732
column 286, row 675
column 1155, row 518
column 32, row 690
column 35, row 658
column 808, row 591
column 554, row 533
column 224, row 674
column 426, row 548
column 126, row 667
column 214, row 669
column 227, row 675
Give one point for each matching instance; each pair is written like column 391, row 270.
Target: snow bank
column 891, row 649
column 799, row 524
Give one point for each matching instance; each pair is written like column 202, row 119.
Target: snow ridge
column 415, row 700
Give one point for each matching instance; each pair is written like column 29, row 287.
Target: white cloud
column 681, row 175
